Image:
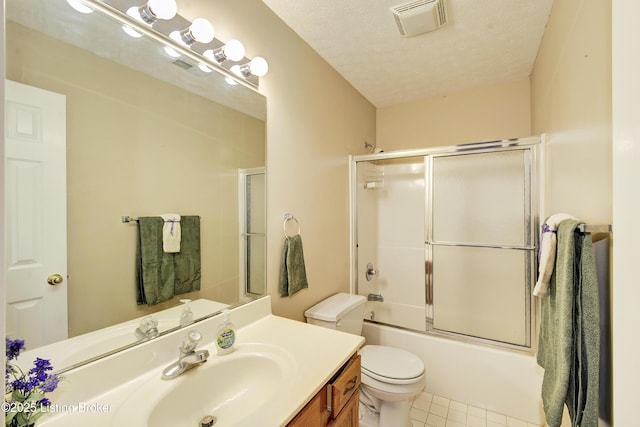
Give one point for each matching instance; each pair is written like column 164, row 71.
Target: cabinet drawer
column 343, row 385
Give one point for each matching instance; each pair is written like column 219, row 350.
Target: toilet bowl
column 391, row 376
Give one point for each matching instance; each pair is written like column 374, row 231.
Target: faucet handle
column 191, row 341
column 148, row 324
column 148, row 328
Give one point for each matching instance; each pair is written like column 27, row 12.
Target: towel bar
column 591, row 228
column 289, row 217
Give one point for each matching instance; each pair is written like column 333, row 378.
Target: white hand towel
column 171, row 233
column 547, row 257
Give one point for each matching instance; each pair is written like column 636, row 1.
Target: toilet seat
column 391, row 365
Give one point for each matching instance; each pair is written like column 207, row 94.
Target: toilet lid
column 392, row 363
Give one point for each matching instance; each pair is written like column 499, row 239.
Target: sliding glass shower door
column 480, row 244
column 444, row 241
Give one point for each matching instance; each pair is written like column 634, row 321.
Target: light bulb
column 201, row 30
column 209, row 54
column 258, row 66
column 233, row 50
column 236, row 70
column 204, row 67
column 79, row 6
column 131, row 32
column 163, row 9
column 171, row 52
column 175, row 35
column 135, row 14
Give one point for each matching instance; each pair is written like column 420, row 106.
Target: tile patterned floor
column 430, row 410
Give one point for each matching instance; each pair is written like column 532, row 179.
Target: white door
column 36, row 224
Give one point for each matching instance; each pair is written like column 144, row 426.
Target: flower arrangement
column 25, row 400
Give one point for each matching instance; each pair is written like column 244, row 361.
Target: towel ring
column 288, row 217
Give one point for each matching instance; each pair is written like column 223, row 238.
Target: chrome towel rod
column 289, row 217
column 595, row 228
column 126, row 219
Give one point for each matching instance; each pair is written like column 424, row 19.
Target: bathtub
column 498, row 380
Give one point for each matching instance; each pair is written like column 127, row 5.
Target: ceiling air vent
column 420, row 16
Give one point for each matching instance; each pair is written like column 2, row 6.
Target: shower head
column 372, row 149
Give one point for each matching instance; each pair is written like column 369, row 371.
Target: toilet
column 391, row 377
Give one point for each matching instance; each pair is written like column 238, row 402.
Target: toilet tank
column 343, row 312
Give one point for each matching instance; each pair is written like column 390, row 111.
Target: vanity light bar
column 207, row 52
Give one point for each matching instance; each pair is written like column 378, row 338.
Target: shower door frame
column 534, row 145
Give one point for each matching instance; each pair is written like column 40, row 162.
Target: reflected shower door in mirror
column 145, row 136
column 450, row 231
column 253, row 245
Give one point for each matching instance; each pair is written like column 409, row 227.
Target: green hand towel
column 293, row 274
column 569, row 338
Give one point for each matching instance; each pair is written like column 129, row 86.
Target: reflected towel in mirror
column 161, row 275
column 293, row 274
column 171, row 234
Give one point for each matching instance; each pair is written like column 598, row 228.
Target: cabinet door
column 314, row 414
column 349, row 416
column 345, row 385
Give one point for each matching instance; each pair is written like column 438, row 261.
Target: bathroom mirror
column 146, row 134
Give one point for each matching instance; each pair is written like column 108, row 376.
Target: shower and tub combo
column 443, row 248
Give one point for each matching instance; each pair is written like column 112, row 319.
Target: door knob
column 55, row 279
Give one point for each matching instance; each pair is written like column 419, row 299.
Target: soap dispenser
column 226, row 334
column 186, row 318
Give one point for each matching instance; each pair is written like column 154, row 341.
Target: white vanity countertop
column 92, row 395
column 69, row 352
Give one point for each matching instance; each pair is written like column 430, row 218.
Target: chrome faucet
column 375, row 297
column 148, row 329
column 189, row 357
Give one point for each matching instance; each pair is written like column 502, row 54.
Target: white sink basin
column 232, row 388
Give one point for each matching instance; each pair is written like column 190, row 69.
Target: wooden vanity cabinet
column 336, row 404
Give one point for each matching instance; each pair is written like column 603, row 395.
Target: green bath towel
column 293, row 274
column 186, row 263
column 569, row 341
column 161, row 275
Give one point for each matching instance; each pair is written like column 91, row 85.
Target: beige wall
column 483, row 114
column 571, row 103
column 138, row 147
column 315, row 119
column 626, row 208
column 2, row 254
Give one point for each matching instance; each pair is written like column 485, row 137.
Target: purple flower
column 22, row 384
column 26, row 387
column 13, row 348
column 40, row 368
column 50, row 383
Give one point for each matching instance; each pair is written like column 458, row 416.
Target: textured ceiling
column 484, row 42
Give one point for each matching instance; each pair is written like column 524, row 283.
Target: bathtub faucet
column 375, row 297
